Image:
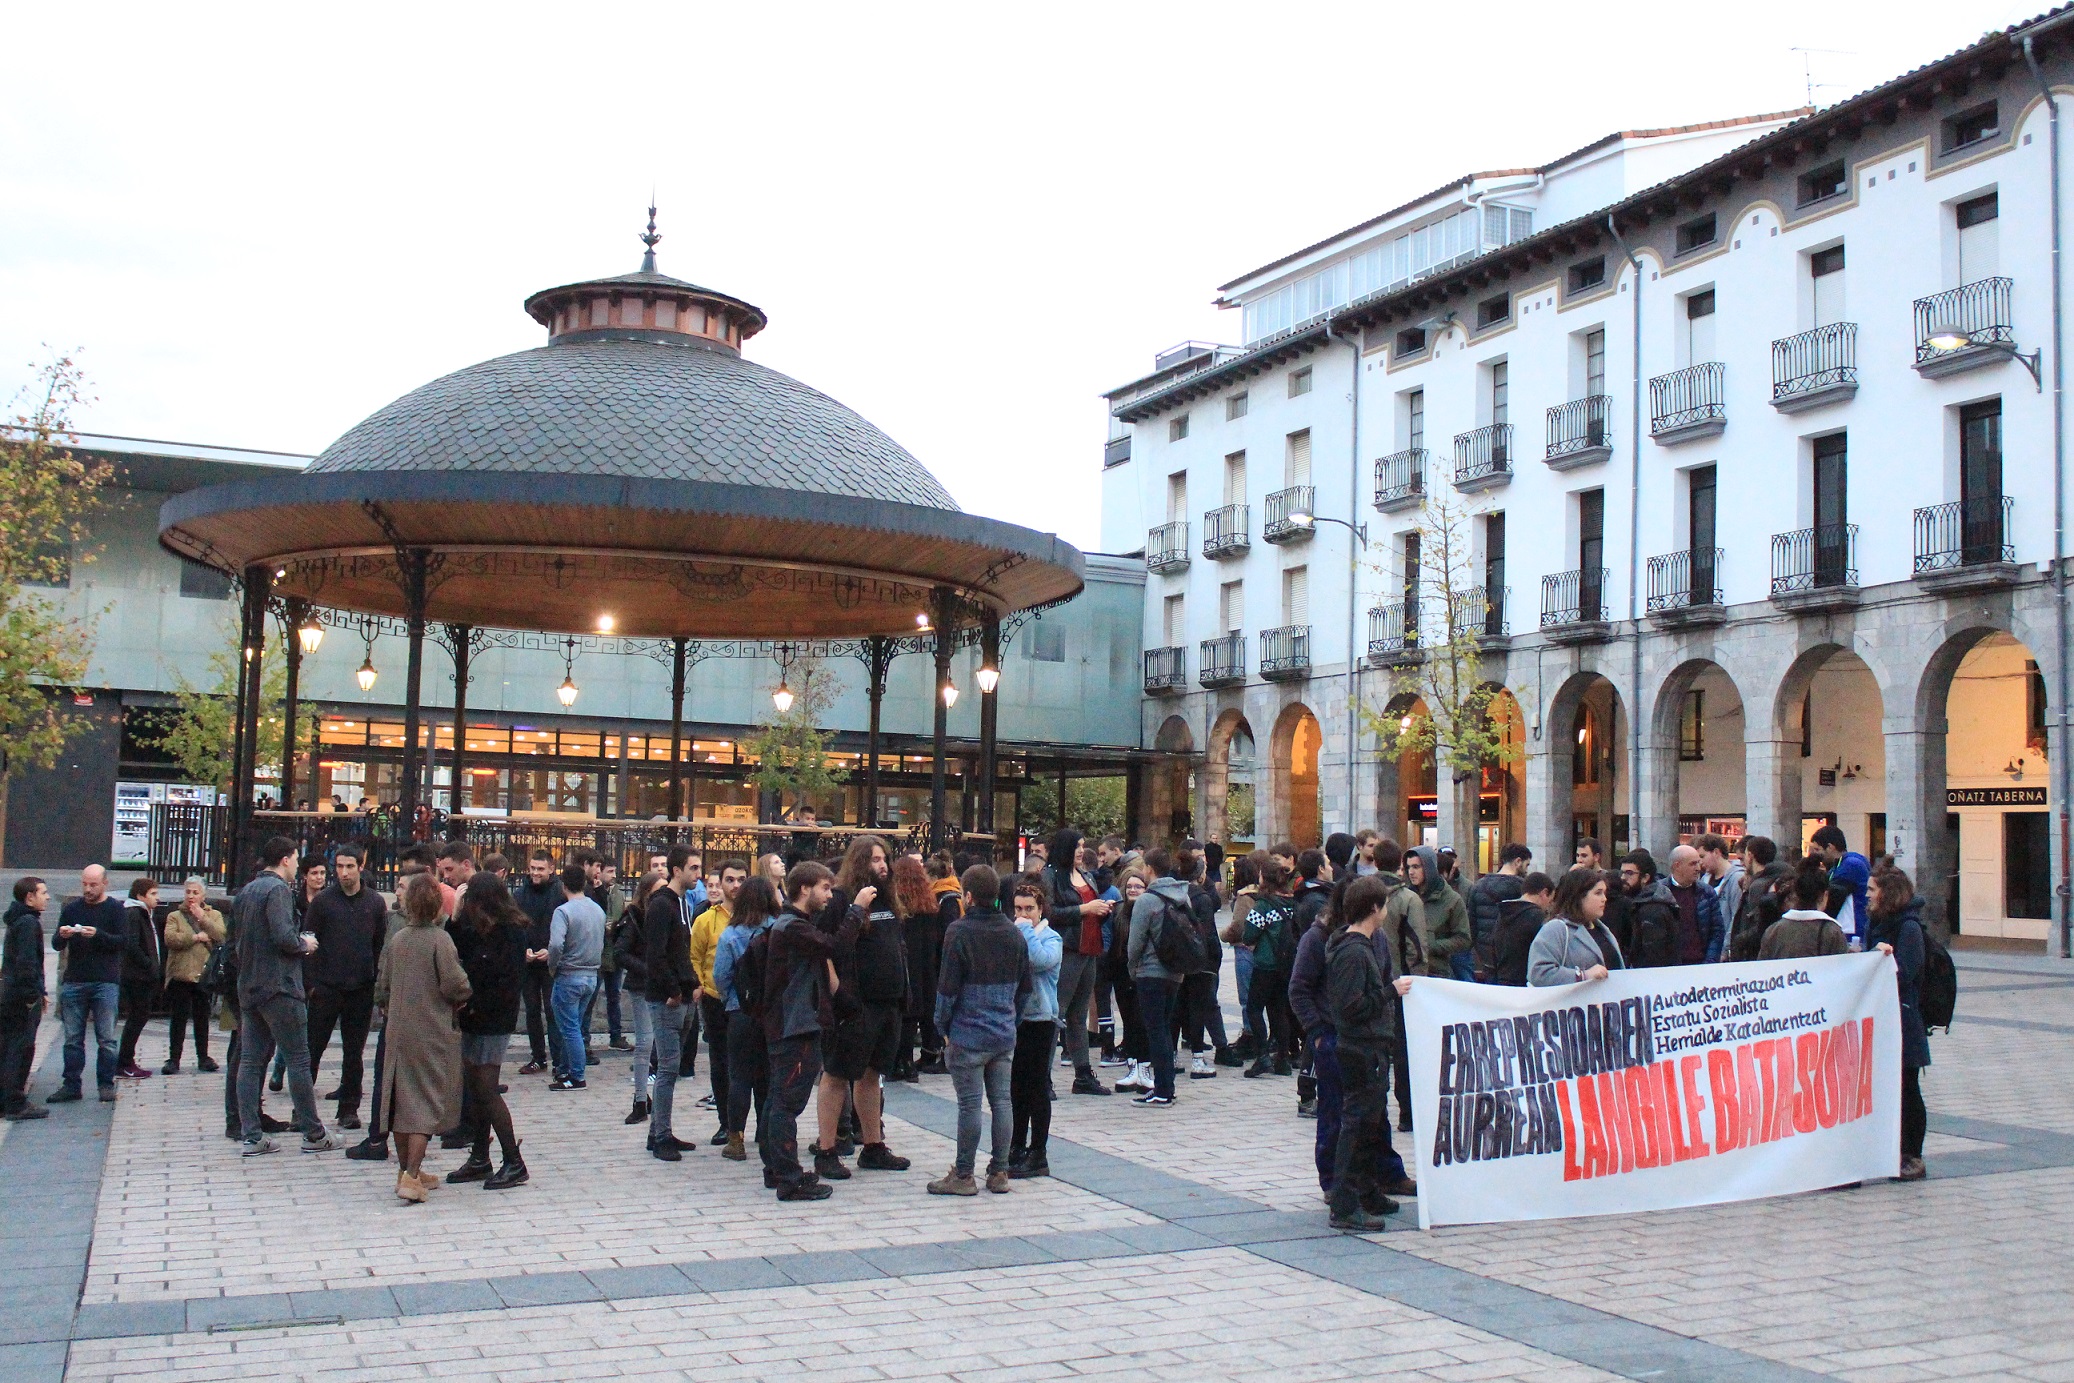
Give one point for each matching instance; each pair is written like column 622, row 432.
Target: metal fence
column 1283, row 506
column 1695, row 394
column 1166, row 668
column 1681, row 580
column 1285, row 650
column 1965, row 533
column 1974, row 314
column 1226, row 530
column 1580, row 425
column 1393, row 629
column 1573, row 597
column 1485, row 452
column 1810, row 559
column 1814, row 360
column 1221, row 661
column 1400, row 478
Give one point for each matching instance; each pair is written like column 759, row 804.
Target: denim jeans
column 573, row 992
column 993, row 1073
column 1076, row 991
column 74, row 1001
column 284, row 1022
column 644, row 1043
column 608, row 985
column 795, row 1066
column 667, row 1023
column 1242, row 963
column 748, row 1077
column 1155, row 1000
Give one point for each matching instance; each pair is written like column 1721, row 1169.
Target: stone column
column 1547, row 808
column 1915, row 810
column 1772, row 774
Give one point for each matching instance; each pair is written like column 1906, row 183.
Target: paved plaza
column 1186, row 1243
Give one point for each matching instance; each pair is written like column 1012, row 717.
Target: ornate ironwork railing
column 1810, row 559
column 1681, row 580
column 1225, row 530
column 1580, row 425
column 1393, row 629
column 1815, row 360
column 1166, row 547
column 1285, row 650
column 1221, row 661
column 1284, row 507
column 1401, row 477
column 1166, row 668
column 1481, row 611
column 1573, row 597
column 1695, row 394
column 1964, row 533
column 1485, row 452
column 1973, row 314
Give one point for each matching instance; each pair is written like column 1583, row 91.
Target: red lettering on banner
column 1865, row 1066
column 1751, row 1095
column 1673, row 1119
column 1620, row 1137
column 1641, row 1098
column 1695, row 1105
column 1721, row 1080
column 1847, row 1073
column 1825, row 1085
column 1573, row 1168
column 1806, row 1049
column 1779, row 1119
column 1598, row 1159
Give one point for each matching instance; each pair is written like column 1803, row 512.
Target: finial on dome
column 649, row 238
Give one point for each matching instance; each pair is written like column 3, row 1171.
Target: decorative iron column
column 460, row 642
column 245, row 767
column 938, row 795
column 878, row 661
column 416, row 560
column 677, row 649
column 293, row 612
column 989, row 718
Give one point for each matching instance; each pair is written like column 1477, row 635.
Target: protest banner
column 1686, row 1085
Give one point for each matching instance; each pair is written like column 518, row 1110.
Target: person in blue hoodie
column 1036, row 1032
column 1849, row 873
column 980, row 989
column 748, row 1053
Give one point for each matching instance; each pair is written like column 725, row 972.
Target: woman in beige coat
column 192, row 930
column 419, row 987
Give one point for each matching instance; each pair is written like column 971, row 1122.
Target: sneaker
column 1282, row 1067
column 1153, row 1097
column 622, row 1044
column 64, row 1094
column 1086, row 1084
column 260, row 1146
column 706, row 1100
column 566, row 1084
column 207, row 1067
column 269, row 1124
column 1912, row 1169
column 1200, row 1068
column 349, row 1121
column 808, row 1190
column 1260, row 1067
column 877, row 1157
column 997, row 1181
column 531, row 1068
column 1029, row 1168
column 107, row 1094
column 639, row 1115
column 369, row 1150
column 1115, row 1059
column 1357, row 1221
column 675, row 1142
column 1307, row 1109
column 954, row 1183
column 1227, row 1057
column 171, row 1068
column 829, row 1166
column 1137, row 1078
column 28, row 1111
column 325, row 1141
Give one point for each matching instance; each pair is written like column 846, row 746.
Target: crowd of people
column 810, row 986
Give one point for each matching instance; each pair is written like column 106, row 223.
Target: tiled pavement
column 1186, row 1243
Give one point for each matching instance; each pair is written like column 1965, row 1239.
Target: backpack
column 1937, row 992
column 219, row 976
column 1175, row 939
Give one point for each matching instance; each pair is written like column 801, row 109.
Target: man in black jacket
column 350, row 922
column 1652, row 914
column 666, row 951
column 538, row 895
column 92, row 936
column 1361, row 1003
column 22, row 997
column 1487, row 896
column 1765, row 880
column 1519, row 921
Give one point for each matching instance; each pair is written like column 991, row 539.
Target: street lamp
column 566, row 693
column 311, row 635
column 950, row 694
column 988, row 677
column 782, row 698
column 1953, row 337
column 366, row 675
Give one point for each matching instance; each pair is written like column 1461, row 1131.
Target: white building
column 1743, row 427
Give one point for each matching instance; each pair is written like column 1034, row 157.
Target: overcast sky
column 965, row 222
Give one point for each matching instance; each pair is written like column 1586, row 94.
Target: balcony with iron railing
column 1221, row 662
column 1573, row 605
column 1965, row 327
column 1400, row 480
column 1688, row 404
column 1480, row 610
column 1483, row 458
column 1225, row 531
column 1166, row 547
column 1966, row 545
column 1285, row 653
column 1284, row 510
column 1580, row 432
column 1816, row 569
column 1815, row 368
column 1685, row 588
column 1393, row 634
column 1166, row 669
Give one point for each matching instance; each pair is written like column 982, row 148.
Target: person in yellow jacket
column 192, row 930
column 712, row 1005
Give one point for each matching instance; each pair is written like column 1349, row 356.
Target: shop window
column 2027, row 865
column 1584, row 758
column 1692, row 727
column 1047, row 642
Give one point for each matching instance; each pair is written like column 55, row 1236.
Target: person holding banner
column 1361, row 1004
column 1574, row 944
column 1804, row 929
column 1895, row 927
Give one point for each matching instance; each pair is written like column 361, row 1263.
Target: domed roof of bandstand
column 637, row 466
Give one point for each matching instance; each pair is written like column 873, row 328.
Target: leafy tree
column 47, row 497
column 201, row 733
column 1447, row 611
column 1094, row 807
column 791, row 750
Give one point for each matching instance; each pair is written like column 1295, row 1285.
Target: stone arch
column 1705, row 777
column 1844, row 742
column 1228, row 727
column 1295, row 813
column 1978, row 718
column 1577, row 782
column 1506, row 781
column 1402, row 777
column 1167, row 815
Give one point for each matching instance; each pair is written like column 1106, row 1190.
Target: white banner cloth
column 1686, row 1085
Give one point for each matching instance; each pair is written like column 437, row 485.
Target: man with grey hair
column 1701, row 934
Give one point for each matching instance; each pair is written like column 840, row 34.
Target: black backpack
column 1937, row 993
column 749, row 974
column 1175, row 939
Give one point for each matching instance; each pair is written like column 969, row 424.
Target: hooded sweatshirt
column 21, row 968
column 1145, row 913
column 1447, row 917
column 982, row 983
column 1519, row 922
column 1652, row 926
column 1358, row 996
column 1801, row 933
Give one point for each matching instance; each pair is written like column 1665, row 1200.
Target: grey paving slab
column 734, row 1275
column 351, row 1303
column 829, row 1265
column 51, row 1171
column 434, row 1298
column 545, row 1289
column 912, row 1260
column 39, row 1363
column 108, row 1320
column 203, row 1312
column 628, row 1284
column 1015, row 1252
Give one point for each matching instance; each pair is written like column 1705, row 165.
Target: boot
column 737, row 1150
column 1262, row 1065
column 1227, row 1057
column 512, row 1173
column 639, row 1115
column 1282, row 1067
column 877, row 1157
column 408, row 1189
column 476, row 1168
column 828, row 1166
column 1351, row 1218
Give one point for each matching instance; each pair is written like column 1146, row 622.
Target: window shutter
column 1176, row 622
column 1296, row 595
column 1298, row 469
column 1231, row 603
column 1235, row 478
